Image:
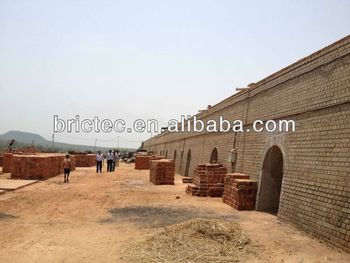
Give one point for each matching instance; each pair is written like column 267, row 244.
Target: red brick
column 208, row 179
column 38, row 166
column 239, row 191
column 162, row 171
column 7, row 162
column 142, row 162
column 85, row 160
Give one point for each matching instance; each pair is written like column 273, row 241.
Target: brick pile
column 186, row 180
column 38, row 167
column 208, row 180
column 28, row 150
column 240, row 191
column 142, row 162
column 162, row 171
column 85, row 160
column 7, row 162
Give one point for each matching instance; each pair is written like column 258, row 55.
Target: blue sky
column 146, row 59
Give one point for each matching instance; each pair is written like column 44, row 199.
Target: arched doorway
column 188, row 163
column 166, row 154
column 271, row 181
column 214, row 156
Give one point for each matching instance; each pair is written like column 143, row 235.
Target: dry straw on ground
column 196, row 240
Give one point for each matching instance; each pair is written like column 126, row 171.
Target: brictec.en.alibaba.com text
column 185, row 124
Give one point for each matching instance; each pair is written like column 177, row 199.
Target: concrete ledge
column 11, row 185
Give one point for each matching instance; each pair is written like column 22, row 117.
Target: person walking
column 67, row 165
column 110, row 159
column 115, row 158
column 11, row 145
column 118, row 158
column 99, row 159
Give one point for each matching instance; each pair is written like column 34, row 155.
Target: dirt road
column 94, row 217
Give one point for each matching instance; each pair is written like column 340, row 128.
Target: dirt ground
column 95, row 216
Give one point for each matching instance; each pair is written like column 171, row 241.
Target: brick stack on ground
column 208, row 180
column 240, row 191
column 85, row 160
column 162, row 171
column 38, row 166
column 142, row 162
column 7, row 162
column 187, row 180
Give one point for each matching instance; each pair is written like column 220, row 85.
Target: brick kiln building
column 304, row 176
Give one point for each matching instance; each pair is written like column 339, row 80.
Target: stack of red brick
column 85, row 160
column 7, row 162
column 240, row 191
column 142, row 162
column 208, row 180
column 162, row 171
column 35, row 166
column 28, row 150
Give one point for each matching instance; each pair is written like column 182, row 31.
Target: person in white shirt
column 99, row 159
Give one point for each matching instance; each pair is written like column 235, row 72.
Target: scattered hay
column 196, row 240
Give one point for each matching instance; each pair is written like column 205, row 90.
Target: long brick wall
column 315, row 187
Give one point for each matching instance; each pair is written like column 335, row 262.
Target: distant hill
column 24, row 139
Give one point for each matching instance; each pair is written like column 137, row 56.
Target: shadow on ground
column 4, row 216
column 160, row 216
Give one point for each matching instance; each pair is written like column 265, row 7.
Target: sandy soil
column 94, row 217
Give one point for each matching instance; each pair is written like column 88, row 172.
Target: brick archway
column 214, row 156
column 188, row 163
column 271, row 181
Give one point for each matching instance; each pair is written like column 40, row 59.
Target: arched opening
column 166, row 154
column 188, row 163
column 174, row 157
column 271, row 181
column 214, row 156
column 181, row 161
